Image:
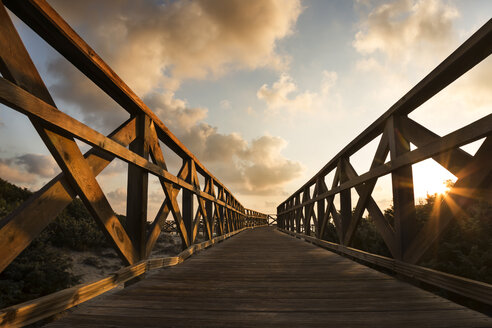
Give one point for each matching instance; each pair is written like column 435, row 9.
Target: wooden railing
column 22, row 89
column 405, row 242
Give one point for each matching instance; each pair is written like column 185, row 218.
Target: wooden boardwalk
column 264, row 278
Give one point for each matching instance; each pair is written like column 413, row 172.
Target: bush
column 39, row 270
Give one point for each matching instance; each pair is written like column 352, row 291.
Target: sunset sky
column 263, row 92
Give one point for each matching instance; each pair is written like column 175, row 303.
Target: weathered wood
column 476, row 290
column 46, row 306
column 255, row 288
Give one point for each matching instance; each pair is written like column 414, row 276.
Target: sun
column 430, row 178
column 438, row 187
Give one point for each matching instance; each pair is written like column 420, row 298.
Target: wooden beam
column 454, row 160
column 383, row 227
column 405, row 223
column 19, row 68
column 474, row 184
column 345, row 201
column 321, row 188
column 22, row 101
column 49, row 201
column 137, row 190
column 472, row 132
column 368, row 187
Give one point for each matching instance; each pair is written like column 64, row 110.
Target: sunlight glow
column 430, row 178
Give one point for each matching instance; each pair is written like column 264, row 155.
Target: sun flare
column 430, row 178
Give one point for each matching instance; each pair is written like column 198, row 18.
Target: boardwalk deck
column 264, row 278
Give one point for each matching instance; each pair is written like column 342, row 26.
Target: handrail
column 22, row 89
column 397, row 131
column 46, row 306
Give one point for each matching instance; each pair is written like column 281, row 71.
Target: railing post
column 137, row 189
column 307, row 212
column 402, row 181
column 345, row 201
column 187, row 202
column 209, row 204
column 298, row 213
column 320, row 188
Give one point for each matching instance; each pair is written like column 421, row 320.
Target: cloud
column 16, row 175
column 279, row 95
column 174, row 112
column 408, row 38
column 475, row 87
column 225, row 104
column 328, row 82
column 28, row 169
column 114, row 168
column 407, row 29
column 255, row 167
column 284, row 95
column 154, row 46
column 118, row 195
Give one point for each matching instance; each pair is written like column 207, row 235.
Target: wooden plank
column 46, row 306
column 255, row 288
column 476, row 290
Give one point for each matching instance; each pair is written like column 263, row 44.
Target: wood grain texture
column 475, row 290
column 43, row 307
column 293, row 284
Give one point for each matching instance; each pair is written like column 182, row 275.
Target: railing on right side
column 406, row 243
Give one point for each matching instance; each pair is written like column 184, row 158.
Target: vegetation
column 463, row 249
column 42, row 268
